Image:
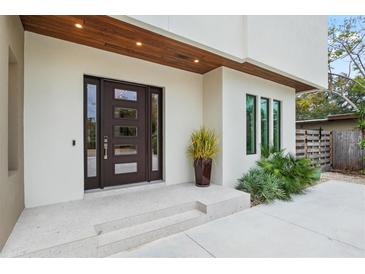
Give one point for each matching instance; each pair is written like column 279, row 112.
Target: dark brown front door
column 126, row 120
column 123, row 133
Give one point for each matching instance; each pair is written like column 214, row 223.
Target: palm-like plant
column 295, row 174
column 266, row 151
column 263, row 187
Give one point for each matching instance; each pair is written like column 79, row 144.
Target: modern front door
column 123, row 133
column 127, row 138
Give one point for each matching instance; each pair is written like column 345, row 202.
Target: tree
column 346, row 89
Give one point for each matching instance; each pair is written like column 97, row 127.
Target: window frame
column 94, row 181
column 279, row 121
column 254, row 125
column 268, row 121
column 156, row 174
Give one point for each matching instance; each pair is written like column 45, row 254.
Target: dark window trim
column 268, row 122
column 254, row 125
column 279, row 120
column 92, row 182
column 156, row 175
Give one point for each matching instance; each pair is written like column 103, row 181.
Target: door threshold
column 115, row 190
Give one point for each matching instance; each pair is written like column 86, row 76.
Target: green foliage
column 278, row 176
column 361, row 117
column 362, row 144
column 321, row 104
column 267, row 151
column 204, row 144
column 262, row 186
column 295, row 174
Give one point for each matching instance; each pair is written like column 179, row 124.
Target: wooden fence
column 315, row 145
column 337, row 150
column 347, row 154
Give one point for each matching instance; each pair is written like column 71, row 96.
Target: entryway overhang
column 110, row 34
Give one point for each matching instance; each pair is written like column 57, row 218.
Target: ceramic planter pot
column 203, row 168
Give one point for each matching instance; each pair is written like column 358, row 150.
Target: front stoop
column 119, row 235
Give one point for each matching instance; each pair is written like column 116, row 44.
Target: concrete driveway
column 328, row 221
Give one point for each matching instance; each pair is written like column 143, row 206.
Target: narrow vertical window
column 250, row 124
column 91, row 130
column 155, row 147
column 265, row 122
column 277, row 124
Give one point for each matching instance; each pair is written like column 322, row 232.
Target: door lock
column 105, row 147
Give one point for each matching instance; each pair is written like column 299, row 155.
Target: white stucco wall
column 54, row 72
column 224, row 110
column 235, row 87
column 295, row 46
column 221, row 34
column 213, row 116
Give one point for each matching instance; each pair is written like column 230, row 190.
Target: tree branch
column 348, row 78
column 352, row 58
column 359, row 57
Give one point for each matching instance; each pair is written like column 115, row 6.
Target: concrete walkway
column 329, row 221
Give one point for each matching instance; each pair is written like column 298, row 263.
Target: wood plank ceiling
column 107, row 33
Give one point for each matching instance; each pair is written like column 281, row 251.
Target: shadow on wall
column 11, row 128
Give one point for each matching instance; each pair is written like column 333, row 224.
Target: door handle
column 105, row 147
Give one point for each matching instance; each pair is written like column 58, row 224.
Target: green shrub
column 262, row 186
column 267, row 151
column 294, row 174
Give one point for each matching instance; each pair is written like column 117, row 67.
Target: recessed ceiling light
column 196, row 61
column 139, row 44
column 79, row 26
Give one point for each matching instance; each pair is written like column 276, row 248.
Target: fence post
column 305, row 144
column 331, row 149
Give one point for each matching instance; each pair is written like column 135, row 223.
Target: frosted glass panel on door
column 121, row 131
column 128, row 95
column 125, row 150
column 122, row 168
column 125, row 113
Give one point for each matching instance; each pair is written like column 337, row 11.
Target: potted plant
column 203, row 148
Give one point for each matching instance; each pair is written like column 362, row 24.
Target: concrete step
column 132, row 236
column 167, row 216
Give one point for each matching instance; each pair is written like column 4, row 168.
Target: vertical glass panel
column 121, row 131
column 250, row 124
column 265, row 122
column 127, row 95
column 125, row 150
column 277, row 124
column 155, row 132
column 125, row 113
column 122, row 168
column 91, row 130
